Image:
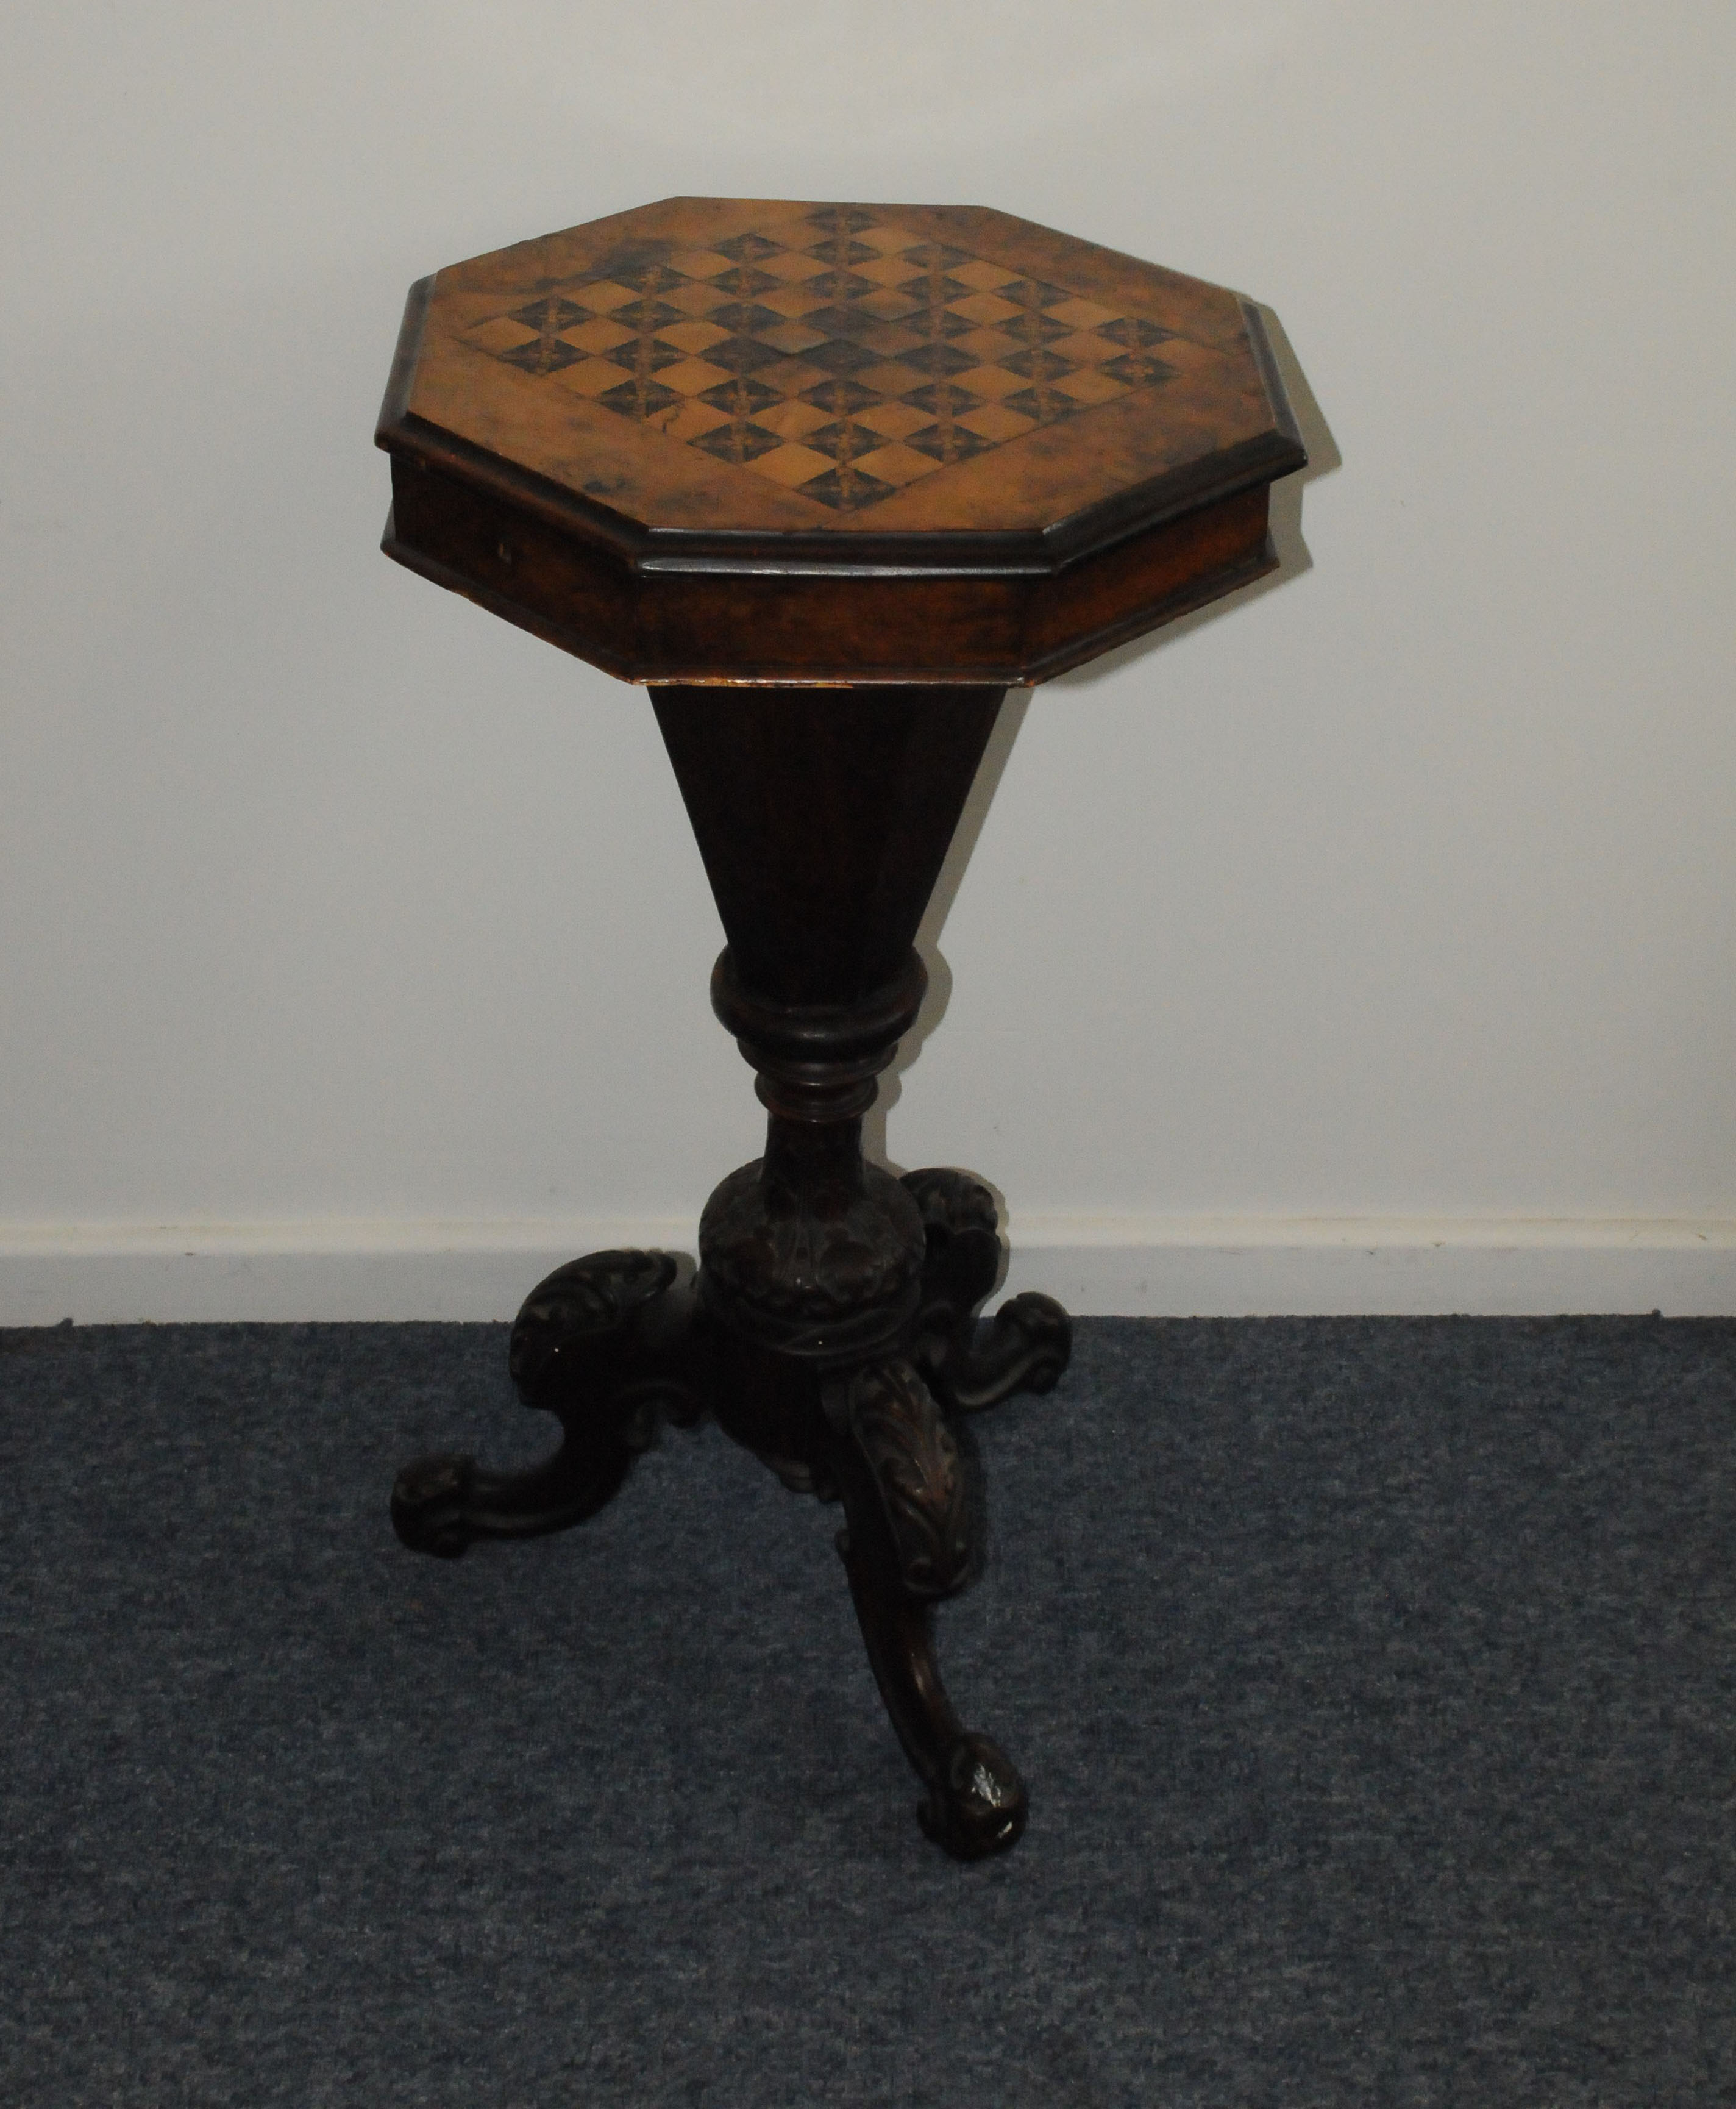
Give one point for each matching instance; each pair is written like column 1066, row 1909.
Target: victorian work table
column 828, row 480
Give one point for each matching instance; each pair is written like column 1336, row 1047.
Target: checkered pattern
column 844, row 358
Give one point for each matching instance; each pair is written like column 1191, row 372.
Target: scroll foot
column 978, row 1806
column 603, row 1345
column 1031, row 1338
column 443, row 1503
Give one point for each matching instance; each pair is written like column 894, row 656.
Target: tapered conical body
column 823, row 816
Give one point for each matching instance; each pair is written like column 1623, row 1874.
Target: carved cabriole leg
column 911, row 1540
column 607, row 1345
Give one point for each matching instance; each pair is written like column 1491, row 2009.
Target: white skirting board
column 1099, row 1266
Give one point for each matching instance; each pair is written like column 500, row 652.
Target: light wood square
column 605, row 297
column 591, row 377
column 694, row 300
column 982, row 276
column 889, row 306
column 892, row 379
column 889, row 270
column 990, row 346
column 794, row 301
column 502, row 334
column 993, row 381
column 692, row 376
column 886, row 239
column 794, row 267
column 1082, row 314
column 893, row 420
column 699, row 263
column 995, row 421
column 792, row 465
column 897, row 464
column 694, row 336
column 987, row 309
column 1085, row 348
column 1091, row 385
column 790, row 420
column 692, row 421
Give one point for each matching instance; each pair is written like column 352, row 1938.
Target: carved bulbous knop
column 813, row 1279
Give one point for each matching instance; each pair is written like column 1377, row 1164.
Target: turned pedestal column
column 827, row 480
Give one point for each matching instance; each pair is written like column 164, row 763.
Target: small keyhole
column 508, row 555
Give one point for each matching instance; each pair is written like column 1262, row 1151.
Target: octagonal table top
column 708, row 367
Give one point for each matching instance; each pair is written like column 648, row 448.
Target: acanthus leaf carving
column 584, row 1301
column 913, row 1457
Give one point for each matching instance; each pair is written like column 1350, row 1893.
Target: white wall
column 1366, row 944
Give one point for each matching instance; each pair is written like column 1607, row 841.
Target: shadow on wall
column 1293, row 560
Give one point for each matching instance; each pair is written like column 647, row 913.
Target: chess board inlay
column 843, row 357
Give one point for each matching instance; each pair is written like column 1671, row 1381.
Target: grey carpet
column 1372, row 1678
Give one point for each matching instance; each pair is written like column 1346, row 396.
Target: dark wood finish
column 824, row 830
column 828, row 478
column 612, row 1343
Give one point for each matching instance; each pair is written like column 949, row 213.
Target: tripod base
column 615, row 1343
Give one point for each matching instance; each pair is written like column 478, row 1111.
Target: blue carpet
column 1373, row 1679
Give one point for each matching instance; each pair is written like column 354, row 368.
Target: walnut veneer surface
column 761, row 398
